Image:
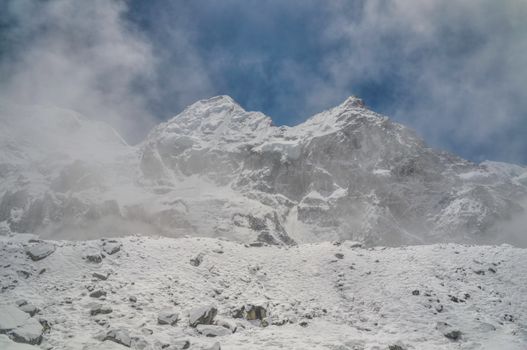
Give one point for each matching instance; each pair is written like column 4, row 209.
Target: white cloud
column 80, row 55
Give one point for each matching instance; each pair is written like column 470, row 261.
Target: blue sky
column 455, row 72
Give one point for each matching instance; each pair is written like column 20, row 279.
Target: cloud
column 456, row 71
column 80, row 55
column 453, row 71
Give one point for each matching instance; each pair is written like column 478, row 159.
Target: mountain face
column 217, row 170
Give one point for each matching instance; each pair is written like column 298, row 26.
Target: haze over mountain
column 217, row 170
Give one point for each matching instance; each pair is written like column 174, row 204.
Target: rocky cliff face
column 218, row 170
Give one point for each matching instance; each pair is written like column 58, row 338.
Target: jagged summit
column 353, row 102
column 220, row 101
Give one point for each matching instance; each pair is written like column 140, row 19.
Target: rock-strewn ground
column 312, row 296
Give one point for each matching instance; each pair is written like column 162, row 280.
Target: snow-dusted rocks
column 27, row 307
column 8, row 344
column 312, row 300
column 215, row 346
column 30, row 332
column 39, row 250
column 97, row 309
column 111, row 247
column 98, row 293
column 167, row 317
column 93, row 255
column 178, row 345
column 100, row 276
column 202, row 315
column 212, row 331
column 197, row 260
column 11, row 318
column 119, row 336
column 449, row 332
column 19, row 326
column 252, row 312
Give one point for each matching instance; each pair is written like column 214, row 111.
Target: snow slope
column 329, row 295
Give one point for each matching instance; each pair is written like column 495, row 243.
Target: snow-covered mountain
column 217, row 170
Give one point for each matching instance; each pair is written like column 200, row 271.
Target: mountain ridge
column 220, row 171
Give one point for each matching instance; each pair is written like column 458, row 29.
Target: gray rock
column 30, row 332
column 96, row 309
column 395, row 347
column 453, row 335
column 98, row 293
column 11, row 317
column 167, row 317
column 29, row 308
column 212, row 331
column 251, row 312
column 19, row 326
column 39, row 251
column 111, row 247
column 119, row 336
column 23, row 274
column 93, row 256
column 140, row 344
column 196, row 261
column 202, row 315
column 179, row 345
column 21, row 302
column 100, row 276
column 226, row 323
column 215, row 346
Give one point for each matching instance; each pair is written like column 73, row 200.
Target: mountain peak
column 217, row 101
column 353, row 102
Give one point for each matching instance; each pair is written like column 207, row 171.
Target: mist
column 81, row 56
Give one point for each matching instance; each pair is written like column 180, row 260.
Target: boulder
column 98, row 293
column 177, row 345
column 8, row 344
column 226, row 323
column 395, row 347
column 212, row 331
column 215, row 346
column 167, row 317
column 111, row 247
column 96, row 309
column 202, row 315
column 40, row 250
column 255, row 312
column 30, row 332
column 197, row 260
column 19, row 326
column 29, row 308
column 453, row 335
column 11, row 317
column 251, row 312
column 100, row 276
column 93, row 255
column 119, row 336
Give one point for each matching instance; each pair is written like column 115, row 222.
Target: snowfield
column 202, row 293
